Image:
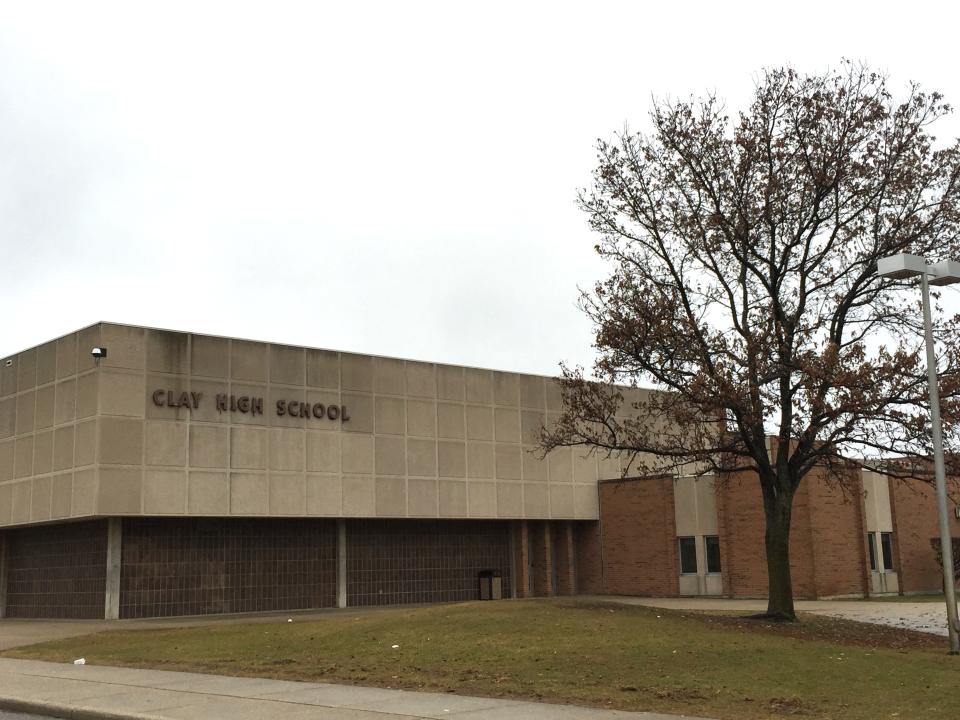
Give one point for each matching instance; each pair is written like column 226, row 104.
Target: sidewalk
column 92, row 692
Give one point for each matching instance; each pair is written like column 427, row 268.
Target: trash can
column 491, row 585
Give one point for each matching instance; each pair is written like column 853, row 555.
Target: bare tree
column 744, row 287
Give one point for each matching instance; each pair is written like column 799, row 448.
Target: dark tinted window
column 886, row 547
column 873, row 551
column 688, row 555
column 713, row 553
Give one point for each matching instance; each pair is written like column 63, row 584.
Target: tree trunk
column 778, row 505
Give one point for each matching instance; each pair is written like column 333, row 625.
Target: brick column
column 566, row 561
column 341, row 563
column 543, row 562
column 114, row 547
column 521, row 579
column 3, row 575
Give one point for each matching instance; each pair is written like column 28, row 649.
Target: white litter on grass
column 289, row 619
column 395, row 646
column 80, row 661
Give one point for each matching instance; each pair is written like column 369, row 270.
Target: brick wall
column 639, row 537
column 587, row 558
column 914, row 506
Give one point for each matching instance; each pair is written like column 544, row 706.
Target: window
column 688, row 556
column 713, row 553
column 886, row 548
column 873, row 552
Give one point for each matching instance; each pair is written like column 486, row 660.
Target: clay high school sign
column 251, row 405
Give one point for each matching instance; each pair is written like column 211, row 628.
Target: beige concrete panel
column 554, row 397
column 249, row 494
column 287, row 450
column 360, row 408
column 422, row 498
column 421, row 457
column 685, row 506
column 422, row 418
column 287, row 395
column 480, row 460
column 533, row 392
column 451, row 459
column 84, row 500
column 450, row 383
column 87, row 339
column 506, row 425
column 85, row 447
column 326, row 398
column 8, row 417
column 122, row 394
column 560, row 465
column 584, row 466
column 6, row 503
column 87, row 395
column 40, row 499
column 421, row 379
column 356, row 372
column 121, row 441
column 6, row 460
column 23, row 457
column 63, row 441
column 67, row 356
column 20, row 502
column 209, row 446
column 43, row 452
column 207, row 410
column 168, row 352
column 508, row 462
column 358, row 454
column 248, row 360
column 26, row 412
column 585, row 502
column 359, row 497
column 44, row 410
column 707, row 506
column 47, row 363
column 61, row 495
column 209, row 356
column 323, row 369
column 533, row 467
column 288, row 494
column 164, row 492
column 479, row 423
column 8, row 376
column 450, row 421
column 287, row 365
column 531, row 425
column 126, row 347
column 479, row 385
column 323, row 494
column 389, row 455
column 208, row 493
column 250, row 390
column 561, row 501
column 509, row 500
column 389, row 416
column 506, row 389
column 249, row 448
column 65, row 402
column 877, row 502
column 119, row 491
column 452, row 499
column 27, row 370
column 482, row 499
column 536, row 500
column 165, row 443
column 388, row 376
column 323, row 452
column 391, row 497
column 610, row 468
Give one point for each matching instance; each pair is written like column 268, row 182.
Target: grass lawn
column 565, row 650
column 903, row 598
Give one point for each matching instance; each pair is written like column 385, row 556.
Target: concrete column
column 3, row 575
column 114, row 546
column 341, row 563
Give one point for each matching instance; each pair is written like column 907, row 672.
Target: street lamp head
column 898, row 267
column 945, row 272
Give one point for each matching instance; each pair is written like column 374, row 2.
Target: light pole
column 945, row 272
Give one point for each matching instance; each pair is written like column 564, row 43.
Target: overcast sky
column 394, row 178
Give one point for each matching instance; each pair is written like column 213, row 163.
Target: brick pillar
column 542, row 561
column 341, row 563
column 566, row 560
column 111, row 609
column 3, row 575
column 521, row 578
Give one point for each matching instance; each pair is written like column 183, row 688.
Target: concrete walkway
column 80, row 692
column 929, row 617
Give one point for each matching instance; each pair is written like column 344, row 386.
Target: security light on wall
column 98, row 352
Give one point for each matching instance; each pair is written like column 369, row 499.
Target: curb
column 62, row 711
